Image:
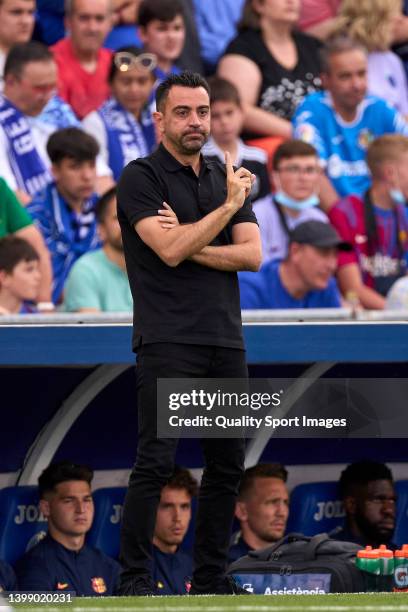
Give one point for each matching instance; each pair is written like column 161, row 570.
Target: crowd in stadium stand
column 310, row 96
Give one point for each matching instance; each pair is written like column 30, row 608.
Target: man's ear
column 241, row 511
column 325, row 80
column 158, row 123
column 44, row 507
column 10, row 79
column 67, row 24
column 100, row 228
column 350, row 505
column 141, row 32
column 55, row 171
column 388, row 172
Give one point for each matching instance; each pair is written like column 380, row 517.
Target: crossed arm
column 244, row 254
column 190, row 241
column 174, row 243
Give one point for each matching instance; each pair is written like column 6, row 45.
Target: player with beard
column 98, row 281
column 369, row 499
column 187, row 318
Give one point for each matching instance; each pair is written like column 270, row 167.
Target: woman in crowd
column 371, row 22
column 123, row 125
column 272, row 65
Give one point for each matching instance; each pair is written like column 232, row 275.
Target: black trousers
column 224, row 463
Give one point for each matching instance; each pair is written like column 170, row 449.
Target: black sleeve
column 245, row 214
column 140, row 191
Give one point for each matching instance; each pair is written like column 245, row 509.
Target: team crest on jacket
column 98, row 585
column 62, row 585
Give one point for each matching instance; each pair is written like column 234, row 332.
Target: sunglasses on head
column 125, row 61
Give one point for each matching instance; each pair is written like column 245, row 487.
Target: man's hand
column 239, row 183
column 167, row 217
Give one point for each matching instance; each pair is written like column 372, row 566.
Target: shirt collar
column 171, row 164
column 216, row 150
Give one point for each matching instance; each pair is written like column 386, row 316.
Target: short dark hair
column 182, row 479
column 62, row 471
column 72, row 143
column 292, row 148
column 222, row 90
column 185, row 79
column 262, row 470
column 136, row 51
column 163, row 10
column 361, row 473
column 22, row 54
column 13, row 250
column 336, row 44
column 103, row 203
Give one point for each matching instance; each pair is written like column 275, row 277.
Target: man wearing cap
column 304, row 279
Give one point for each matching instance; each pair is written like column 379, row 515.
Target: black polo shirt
column 189, row 303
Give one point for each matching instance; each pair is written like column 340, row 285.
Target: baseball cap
column 318, row 234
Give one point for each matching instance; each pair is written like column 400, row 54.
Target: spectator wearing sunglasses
column 123, row 125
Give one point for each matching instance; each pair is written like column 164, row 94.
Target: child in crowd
column 227, row 117
column 162, row 31
column 19, row 275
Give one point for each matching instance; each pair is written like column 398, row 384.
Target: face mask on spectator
column 397, row 196
column 282, row 198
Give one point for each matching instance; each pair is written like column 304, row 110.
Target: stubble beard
column 192, row 147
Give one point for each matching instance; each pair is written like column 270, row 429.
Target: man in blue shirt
column 172, row 566
column 341, row 121
column 62, row 561
column 65, row 210
column 304, row 279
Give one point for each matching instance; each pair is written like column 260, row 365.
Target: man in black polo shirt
column 187, row 320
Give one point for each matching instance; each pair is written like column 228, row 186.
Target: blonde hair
column 385, row 149
column 368, row 21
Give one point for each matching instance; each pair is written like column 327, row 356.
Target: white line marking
column 173, row 607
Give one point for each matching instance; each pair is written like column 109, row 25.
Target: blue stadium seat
column 105, row 530
column 401, row 530
column 315, row 507
column 20, row 521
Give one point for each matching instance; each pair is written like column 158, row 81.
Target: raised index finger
column 228, row 164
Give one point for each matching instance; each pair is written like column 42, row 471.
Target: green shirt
column 13, row 216
column 97, row 282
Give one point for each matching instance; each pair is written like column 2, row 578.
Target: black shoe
column 138, row 585
column 225, row 585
